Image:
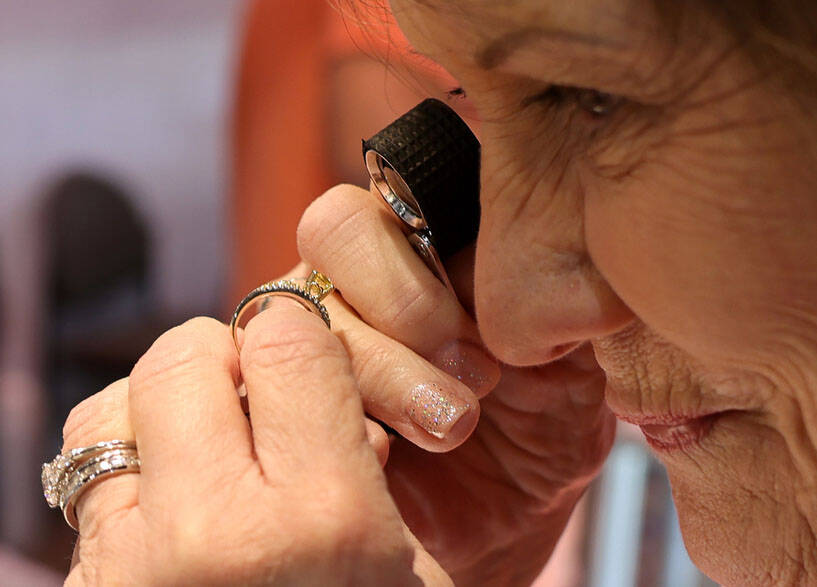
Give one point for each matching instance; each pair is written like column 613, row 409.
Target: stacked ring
column 68, row 475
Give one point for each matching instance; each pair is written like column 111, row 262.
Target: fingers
column 350, row 235
column 311, row 440
column 185, row 411
column 102, row 417
column 378, row 440
column 425, row 567
column 304, row 401
column 421, row 402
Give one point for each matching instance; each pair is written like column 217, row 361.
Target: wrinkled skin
column 491, row 510
column 676, row 231
column 658, row 253
column 488, row 504
column 219, row 500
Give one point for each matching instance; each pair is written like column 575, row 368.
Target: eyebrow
column 499, row 50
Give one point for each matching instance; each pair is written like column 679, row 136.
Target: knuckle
column 77, row 424
column 187, row 533
column 412, row 303
column 200, row 550
column 183, row 349
column 343, row 516
column 291, row 343
column 91, row 549
column 374, row 364
column 349, row 527
column 86, row 419
column 335, row 216
column 187, row 553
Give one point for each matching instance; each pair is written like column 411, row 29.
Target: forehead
column 480, row 22
column 560, row 42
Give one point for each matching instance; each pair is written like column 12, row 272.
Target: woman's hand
column 297, row 496
column 494, row 508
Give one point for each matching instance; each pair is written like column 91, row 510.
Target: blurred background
column 154, row 159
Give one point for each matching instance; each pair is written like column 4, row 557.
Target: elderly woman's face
column 672, row 222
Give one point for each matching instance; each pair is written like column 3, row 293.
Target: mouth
column 666, row 433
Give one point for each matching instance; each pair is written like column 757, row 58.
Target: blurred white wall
column 140, row 90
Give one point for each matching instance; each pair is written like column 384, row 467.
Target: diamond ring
column 68, row 475
column 310, row 295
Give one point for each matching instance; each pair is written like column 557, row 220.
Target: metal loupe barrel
column 426, row 167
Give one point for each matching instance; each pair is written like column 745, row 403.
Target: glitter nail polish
column 435, row 411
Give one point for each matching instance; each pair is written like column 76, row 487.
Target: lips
column 667, row 433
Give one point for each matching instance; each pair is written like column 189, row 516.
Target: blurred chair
column 94, row 306
column 97, row 260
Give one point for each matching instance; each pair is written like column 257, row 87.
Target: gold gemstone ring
column 310, row 295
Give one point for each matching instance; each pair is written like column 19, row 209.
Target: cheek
column 709, row 236
column 706, row 277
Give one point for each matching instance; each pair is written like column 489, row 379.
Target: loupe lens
column 425, row 165
column 394, row 190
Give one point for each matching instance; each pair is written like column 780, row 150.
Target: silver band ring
column 67, row 476
column 108, row 464
column 310, row 295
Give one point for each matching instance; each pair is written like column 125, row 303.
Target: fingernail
column 435, row 411
column 470, row 364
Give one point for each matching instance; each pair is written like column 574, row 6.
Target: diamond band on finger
column 68, row 475
column 309, row 294
column 108, row 464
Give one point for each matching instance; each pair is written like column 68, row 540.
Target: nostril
column 517, row 353
column 545, row 328
column 560, row 350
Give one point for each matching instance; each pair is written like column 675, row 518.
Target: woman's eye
column 592, row 101
column 595, row 102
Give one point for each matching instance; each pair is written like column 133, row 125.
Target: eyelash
column 594, row 102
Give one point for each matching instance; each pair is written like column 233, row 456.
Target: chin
column 746, row 511
column 745, row 558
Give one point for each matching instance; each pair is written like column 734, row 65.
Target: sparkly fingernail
column 435, row 411
column 470, row 364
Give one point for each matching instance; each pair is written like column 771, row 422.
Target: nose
column 537, row 292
